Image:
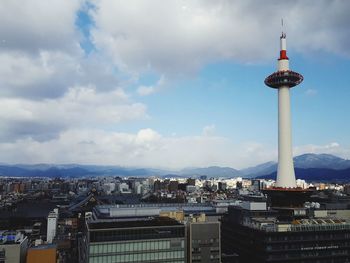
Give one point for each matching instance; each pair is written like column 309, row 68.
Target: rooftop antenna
column 283, row 34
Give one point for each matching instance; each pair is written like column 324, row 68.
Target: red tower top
column 283, row 49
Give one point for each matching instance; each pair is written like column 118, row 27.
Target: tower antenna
column 283, row 34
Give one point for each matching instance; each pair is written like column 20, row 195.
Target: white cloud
column 148, row 148
column 147, row 90
column 46, row 74
column 79, row 107
column 311, row 92
column 35, row 25
column 209, row 130
column 145, row 148
column 178, row 37
column 334, row 148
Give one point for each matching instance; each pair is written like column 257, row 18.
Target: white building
column 51, row 225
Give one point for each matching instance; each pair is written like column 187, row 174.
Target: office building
column 264, row 236
column 204, row 244
column 130, row 238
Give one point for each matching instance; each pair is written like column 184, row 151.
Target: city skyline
column 168, row 85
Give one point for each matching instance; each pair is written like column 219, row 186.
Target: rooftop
column 131, row 222
column 319, row 224
column 11, row 237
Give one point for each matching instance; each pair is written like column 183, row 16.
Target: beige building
column 13, row 247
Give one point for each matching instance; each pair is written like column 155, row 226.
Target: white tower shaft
column 285, row 170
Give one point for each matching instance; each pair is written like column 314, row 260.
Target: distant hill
column 316, row 174
column 321, row 161
column 321, row 165
column 7, row 170
column 212, row 171
column 309, row 160
column 261, row 169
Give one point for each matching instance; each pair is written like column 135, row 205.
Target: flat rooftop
column 301, row 225
column 134, row 222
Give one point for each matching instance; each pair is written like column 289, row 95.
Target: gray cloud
column 182, row 36
column 36, row 25
column 80, row 107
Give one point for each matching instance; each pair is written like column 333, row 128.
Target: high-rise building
column 51, row 225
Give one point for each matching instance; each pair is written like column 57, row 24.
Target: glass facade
column 157, row 240
column 141, row 251
column 136, row 233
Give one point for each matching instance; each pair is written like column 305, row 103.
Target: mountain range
column 305, row 161
column 307, row 166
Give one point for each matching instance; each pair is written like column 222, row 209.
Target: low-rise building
column 13, row 247
column 42, row 253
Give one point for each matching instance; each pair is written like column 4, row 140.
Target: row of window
column 309, row 254
column 135, row 246
column 140, row 257
column 320, row 236
column 137, row 233
column 304, row 246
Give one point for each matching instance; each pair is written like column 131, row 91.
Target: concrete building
column 13, row 247
column 51, row 225
column 204, row 244
column 129, row 238
column 267, row 235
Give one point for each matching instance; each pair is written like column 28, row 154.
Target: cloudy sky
column 168, row 84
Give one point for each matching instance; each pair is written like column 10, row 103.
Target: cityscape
column 100, row 156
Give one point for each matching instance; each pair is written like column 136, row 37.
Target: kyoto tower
column 282, row 80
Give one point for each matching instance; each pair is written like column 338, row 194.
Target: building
column 51, row 225
column 130, row 238
column 204, row 244
column 13, row 247
column 173, row 186
column 264, row 236
column 155, row 209
column 42, row 253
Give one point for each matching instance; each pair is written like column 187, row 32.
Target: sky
column 169, row 84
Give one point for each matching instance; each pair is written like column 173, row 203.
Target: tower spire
column 283, row 44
